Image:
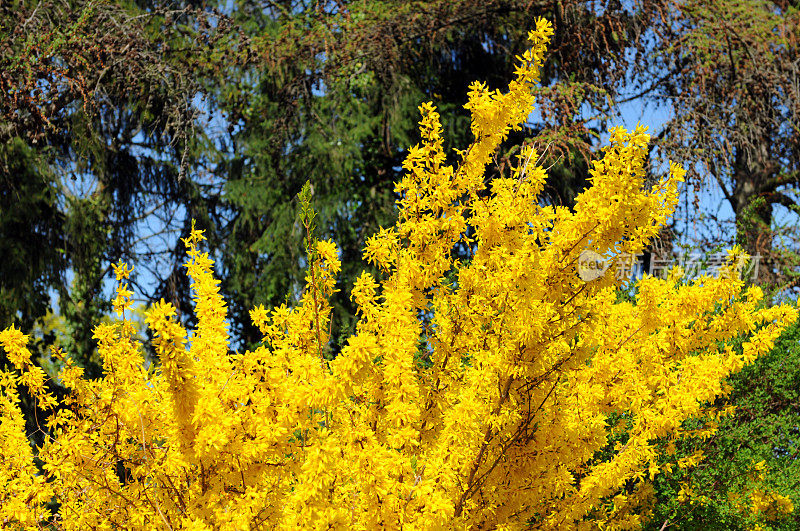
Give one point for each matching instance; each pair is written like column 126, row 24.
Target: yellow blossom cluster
column 471, row 395
column 772, row 506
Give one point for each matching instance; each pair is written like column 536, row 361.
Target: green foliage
column 31, row 235
column 331, row 98
column 765, row 428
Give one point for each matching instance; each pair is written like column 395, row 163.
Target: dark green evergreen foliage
column 332, row 97
column 31, row 236
column 32, row 250
column 98, row 122
column 319, row 91
column 765, row 427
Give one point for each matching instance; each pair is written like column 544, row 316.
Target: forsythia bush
column 478, row 395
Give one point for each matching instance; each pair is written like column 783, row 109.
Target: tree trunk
column 753, row 217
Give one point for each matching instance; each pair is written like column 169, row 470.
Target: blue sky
column 215, row 124
column 688, row 223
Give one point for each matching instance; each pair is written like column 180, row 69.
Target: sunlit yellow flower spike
column 121, row 270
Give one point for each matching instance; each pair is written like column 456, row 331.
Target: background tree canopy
column 122, row 121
